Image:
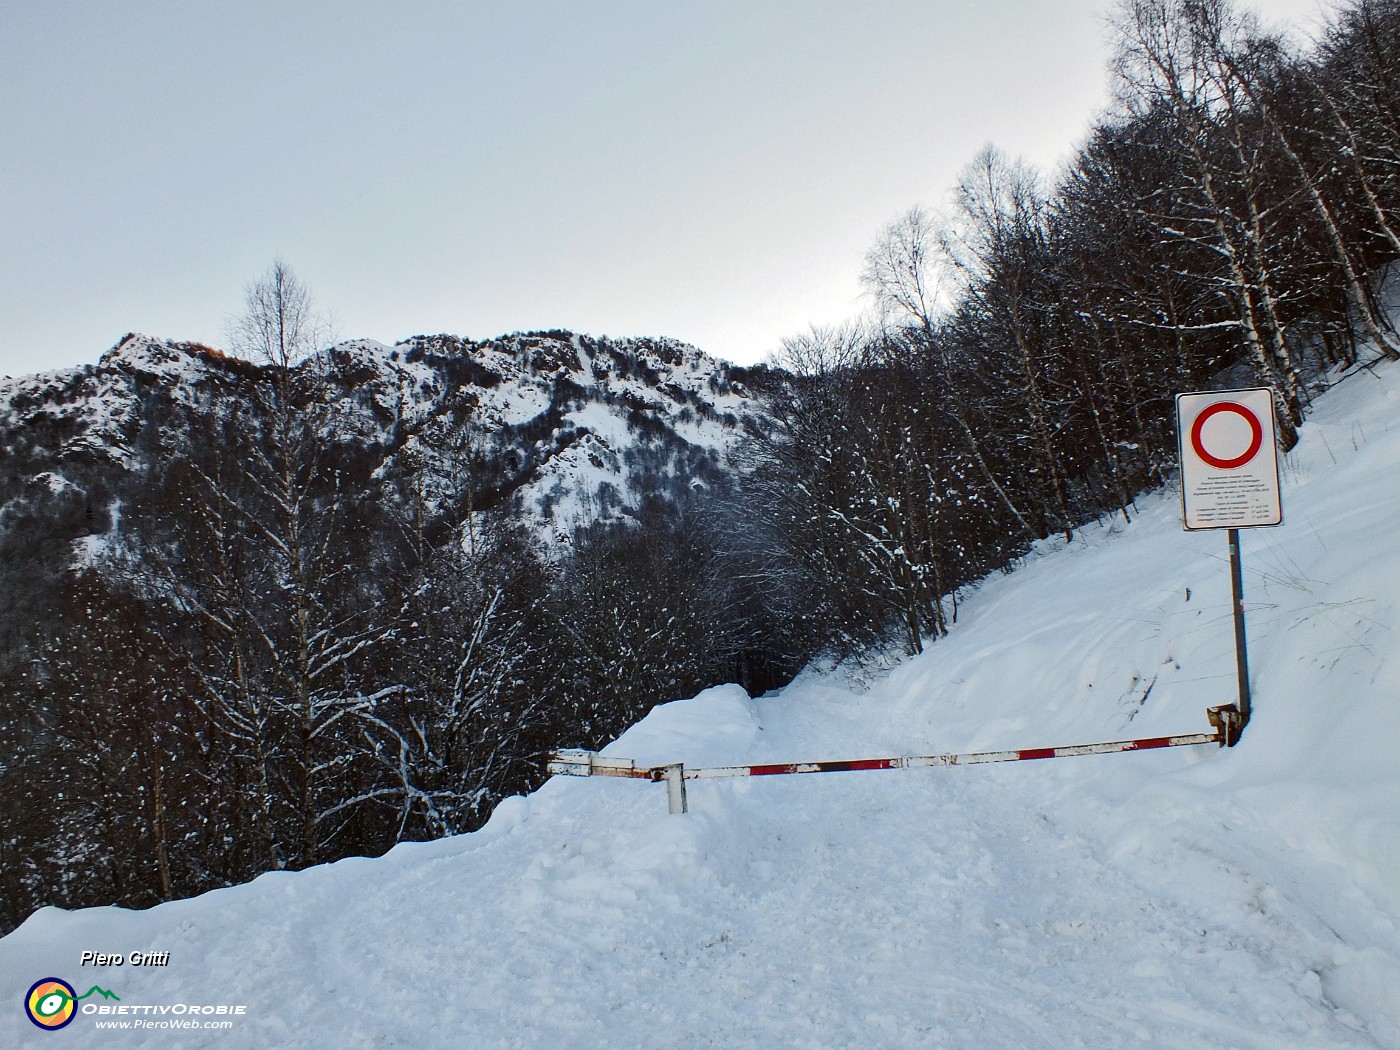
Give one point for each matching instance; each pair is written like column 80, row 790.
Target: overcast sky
column 710, row 171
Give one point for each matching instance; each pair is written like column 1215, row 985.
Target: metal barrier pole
column 1225, row 722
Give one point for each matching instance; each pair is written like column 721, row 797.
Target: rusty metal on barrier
column 578, row 763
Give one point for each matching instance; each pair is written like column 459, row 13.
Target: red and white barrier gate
column 576, row 763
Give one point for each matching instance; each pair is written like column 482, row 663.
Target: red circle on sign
column 1256, row 435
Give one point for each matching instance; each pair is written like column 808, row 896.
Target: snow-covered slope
column 1192, row 898
column 563, row 429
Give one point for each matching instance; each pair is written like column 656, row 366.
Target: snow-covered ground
column 1189, row 898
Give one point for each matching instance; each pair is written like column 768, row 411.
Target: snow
column 601, row 420
column 1191, row 898
column 401, row 393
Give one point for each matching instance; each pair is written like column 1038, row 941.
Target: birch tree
column 1164, row 62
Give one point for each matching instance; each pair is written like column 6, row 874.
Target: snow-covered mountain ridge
column 1240, row 898
column 566, row 428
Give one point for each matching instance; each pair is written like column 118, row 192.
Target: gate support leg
column 675, row 788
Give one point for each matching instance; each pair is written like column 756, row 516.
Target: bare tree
column 279, row 323
column 903, row 274
column 1166, row 61
column 999, row 245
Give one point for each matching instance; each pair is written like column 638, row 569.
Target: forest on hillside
column 293, row 657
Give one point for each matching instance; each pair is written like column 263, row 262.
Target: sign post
column 1228, row 453
column 1237, row 602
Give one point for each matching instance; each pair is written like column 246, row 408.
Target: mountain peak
column 564, row 429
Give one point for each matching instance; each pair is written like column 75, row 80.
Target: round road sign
column 1226, row 462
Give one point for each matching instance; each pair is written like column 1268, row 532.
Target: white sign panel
column 1229, row 459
